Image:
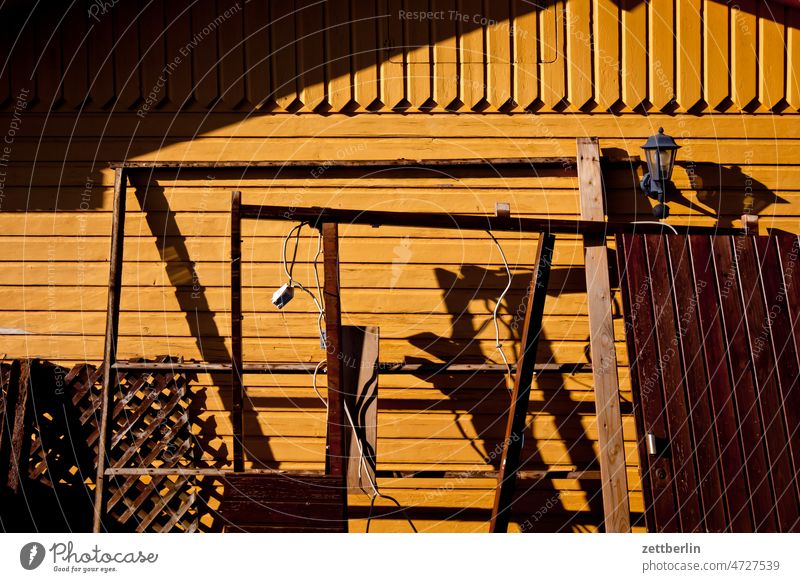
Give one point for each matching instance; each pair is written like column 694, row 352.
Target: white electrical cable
column 669, row 226
column 289, row 269
column 362, row 457
column 498, row 344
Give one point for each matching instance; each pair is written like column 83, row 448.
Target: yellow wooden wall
column 721, row 79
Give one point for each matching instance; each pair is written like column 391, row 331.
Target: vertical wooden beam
column 237, row 385
column 335, row 456
column 360, row 373
column 21, row 427
column 613, row 475
column 520, row 397
column 112, row 328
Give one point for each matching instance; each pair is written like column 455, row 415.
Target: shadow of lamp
column 660, row 152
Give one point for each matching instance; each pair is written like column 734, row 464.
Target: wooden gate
column 713, row 339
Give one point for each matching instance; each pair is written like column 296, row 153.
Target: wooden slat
column 771, row 55
column 690, row 55
column 634, row 53
column 392, row 55
column 236, row 332
column 178, row 33
column 472, row 80
column 205, row 56
column 662, row 53
column 498, row 54
column 793, row 58
column 744, row 53
column 787, row 369
column 526, row 53
column 580, row 88
column 257, row 52
column 606, row 39
column 111, row 338
column 678, row 417
column 339, row 54
column 606, row 383
column 76, row 68
column 231, row 52
column 335, row 455
column 716, row 52
column 445, row 55
column 310, row 18
column 758, row 321
column 283, row 45
column 126, row 47
column 416, row 35
column 656, row 470
column 512, row 447
column 365, row 31
column 690, row 347
column 152, row 53
column 360, row 350
column 553, row 54
column 735, row 487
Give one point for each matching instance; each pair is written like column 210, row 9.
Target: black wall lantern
column 660, row 151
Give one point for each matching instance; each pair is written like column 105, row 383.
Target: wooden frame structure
column 327, row 221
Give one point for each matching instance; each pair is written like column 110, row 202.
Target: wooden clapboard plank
column 526, row 53
column 763, row 361
column 607, row 57
column 283, row 43
column 579, row 46
column 75, row 57
column 416, row 34
column 662, row 53
column 553, row 54
column 689, row 48
column 231, row 52
column 716, row 52
column 793, row 58
column 771, row 55
column 311, row 53
column 256, row 52
column 445, row 55
column 338, row 54
column 498, row 54
column 178, row 34
column 361, row 358
column 750, row 506
column 656, row 469
column 606, row 383
column 634, row 53
column 205, row 54
column 678, row 420
column 783, row 346
column 151, row 53
column 472, row 81
column 48, row 31
column 697, row 393
column 392, row 55
column 744, row 53
column 365, row 32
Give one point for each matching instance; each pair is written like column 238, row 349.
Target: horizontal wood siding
column 430, row 292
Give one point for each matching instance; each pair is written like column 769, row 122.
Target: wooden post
column 112, row 328
column 237, row 385
column 613, row 474
column 360, row 373
column 21, row 425
column 520, row 397
column 335, row 455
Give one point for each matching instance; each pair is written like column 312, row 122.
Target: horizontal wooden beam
column 316, row 216
column 588, row 475
column 383, row 368
column 398, row 163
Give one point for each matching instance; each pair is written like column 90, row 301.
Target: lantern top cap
column 660, row 141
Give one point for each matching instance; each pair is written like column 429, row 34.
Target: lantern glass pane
column 653, row 163
column 667, row 159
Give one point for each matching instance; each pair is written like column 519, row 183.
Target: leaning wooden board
column 712, row 333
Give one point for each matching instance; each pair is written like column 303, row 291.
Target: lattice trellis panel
column 151, row 427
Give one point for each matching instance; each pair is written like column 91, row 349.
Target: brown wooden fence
column 713, row 338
